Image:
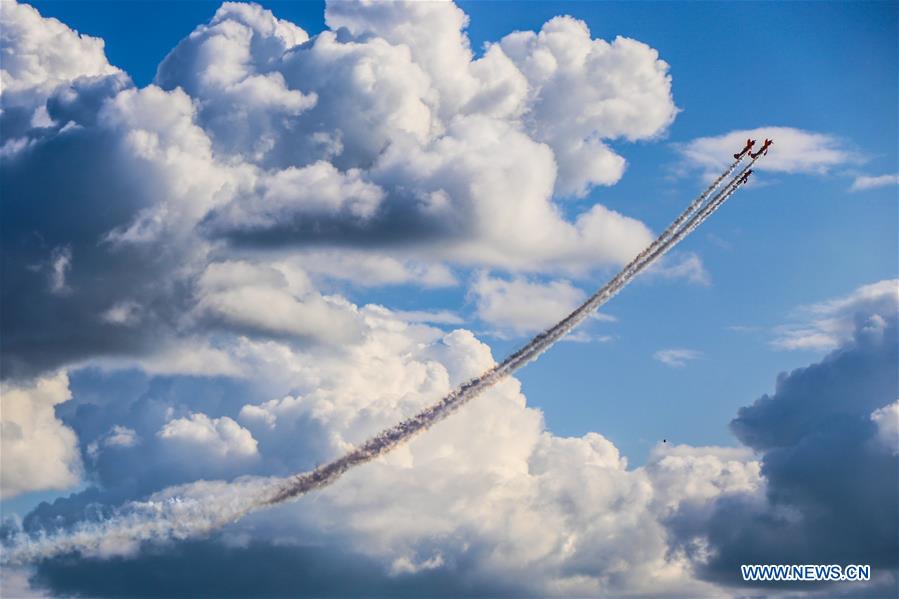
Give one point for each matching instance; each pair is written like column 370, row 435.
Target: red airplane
column 744, row 178
column 763, row 151
column 741, row 153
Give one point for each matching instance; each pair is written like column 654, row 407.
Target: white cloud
column 229, row 64
column 582, row 337
column 421, row 148
column 865, row 182
column 794, row 150
column 61, row 261
column 37, row 450
column 366, row 268
column 490, row 494
column 576, row 87
column 827, row 324
column 39, row 54
column 42, row 60
column 270, row 310
column 187, row 356
column 683, row 265
column 256, row 137
column 117, row 437
column 121, row 436
column 292, row 193
column 484, row 188
column 433, row 33
column 429, row 316
column 528, row 504
column 887, row 421
column 685, row 473
column 259, row 298
column 221, row 437
column 518, row 306
column 676, row 357
column 125, row 313
column 531, row 507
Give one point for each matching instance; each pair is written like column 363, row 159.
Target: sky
column 239, row 240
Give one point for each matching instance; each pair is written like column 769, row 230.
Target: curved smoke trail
column 198, row 508
column 398, row 434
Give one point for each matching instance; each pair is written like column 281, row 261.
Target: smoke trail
column 694, row 205
column 405, row 430
column 175, row 513
column 203, row 507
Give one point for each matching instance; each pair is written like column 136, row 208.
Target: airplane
column 763, row 151
column 741, row 153
column 744, row 178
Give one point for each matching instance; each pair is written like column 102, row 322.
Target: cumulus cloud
column 576, row 84
column 37, row 450
column 794, row 150
column 261, row 299
column 436, row 505
column 157, row 177
column 830, row 479
column 865, row 182
column 41, row 53
column 229, row 64
column 366, row 268
column 828, row 324
column 434, row 35
column 40, row 56
column 346, row 150
column 518, row 306
column 676, row 357
column 118, row 436
column 887, row 421
column 222, row 437
column 293, row 194
column 400, row 84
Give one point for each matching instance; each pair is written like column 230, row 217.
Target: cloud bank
column 380, row 134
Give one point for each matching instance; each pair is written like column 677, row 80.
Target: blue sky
column 794, row 238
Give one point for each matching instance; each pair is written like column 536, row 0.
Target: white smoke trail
column 388, row 439
column 197, row 509
column 175, row 513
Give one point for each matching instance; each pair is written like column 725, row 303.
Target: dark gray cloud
column 832, row 482
column 49, row 315
column 210, row 568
